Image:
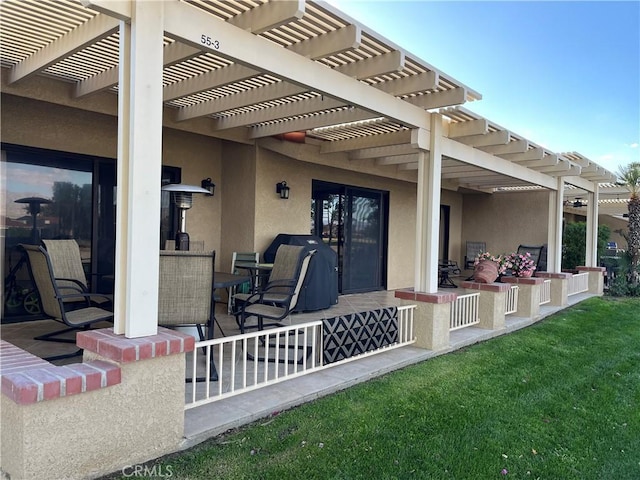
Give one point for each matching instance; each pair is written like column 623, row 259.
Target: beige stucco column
column 122, row 406
column 492, row 303
column 596, row 278
column 431, row 318
column 528, row 296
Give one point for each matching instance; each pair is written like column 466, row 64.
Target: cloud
column 634, row 145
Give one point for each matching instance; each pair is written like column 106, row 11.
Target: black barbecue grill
column 320, row 287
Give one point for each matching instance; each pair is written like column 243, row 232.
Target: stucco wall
column 94, row 433
column 199, row 157
column 506, row 220
column 245, row 214
column 238, row 196
column 45, row 125
column 274, row 216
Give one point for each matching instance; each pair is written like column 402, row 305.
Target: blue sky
column 565, row 75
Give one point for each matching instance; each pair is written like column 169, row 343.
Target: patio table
column 257, row 272
column 220, row 280
column 227, row 280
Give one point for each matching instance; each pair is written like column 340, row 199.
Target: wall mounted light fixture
column 207, row 184
column 283, row 190
column 182, row 196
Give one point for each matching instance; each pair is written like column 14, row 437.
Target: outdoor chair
column 185, row 292
column 69, row 273
column 536, row 255
column 279, row 296
column 446, row 268
column 473, row 249
column 252, row 257
column 53, row 304
column 284, row 270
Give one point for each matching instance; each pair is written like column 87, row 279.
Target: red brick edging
column 591, row 269
column 523, row 280
column 485, row 287
column 28, row 379
column 438, row 297
column 125, row 350
column 554, row 275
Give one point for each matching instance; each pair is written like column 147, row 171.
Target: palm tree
column 629, row 177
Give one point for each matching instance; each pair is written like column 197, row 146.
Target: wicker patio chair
column 279, row 297
column 53, row 300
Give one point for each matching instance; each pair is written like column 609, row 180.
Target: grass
column 558, row 400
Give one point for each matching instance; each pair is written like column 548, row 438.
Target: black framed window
column 54, row 195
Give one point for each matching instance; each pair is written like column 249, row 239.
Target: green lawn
column 558, row 400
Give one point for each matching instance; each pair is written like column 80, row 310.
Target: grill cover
column 320, row 287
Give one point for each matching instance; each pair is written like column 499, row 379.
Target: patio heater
column 182, row 196
column 34, row 210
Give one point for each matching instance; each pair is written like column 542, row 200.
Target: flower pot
column 526, row 274
column 486, row 271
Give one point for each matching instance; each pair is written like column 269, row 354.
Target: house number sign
column 209, row 42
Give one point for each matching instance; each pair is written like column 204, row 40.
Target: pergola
column 249, row 70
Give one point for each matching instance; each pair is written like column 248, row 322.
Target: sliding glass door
column 55, row 195
column 353, row 221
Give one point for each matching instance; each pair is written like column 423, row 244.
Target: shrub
column 574, row 243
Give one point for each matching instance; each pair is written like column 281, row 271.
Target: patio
column 21, row 334
column 206, row 421
column 209, row 420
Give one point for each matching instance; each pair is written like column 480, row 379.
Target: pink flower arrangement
column 499, row 259
column 518, row 264
column 521, row 264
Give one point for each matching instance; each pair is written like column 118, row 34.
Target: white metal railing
column 578, row 283
column 465, row 311
column 254, row 360
column 511, row 300
column 545, row 292
column 406, row 335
